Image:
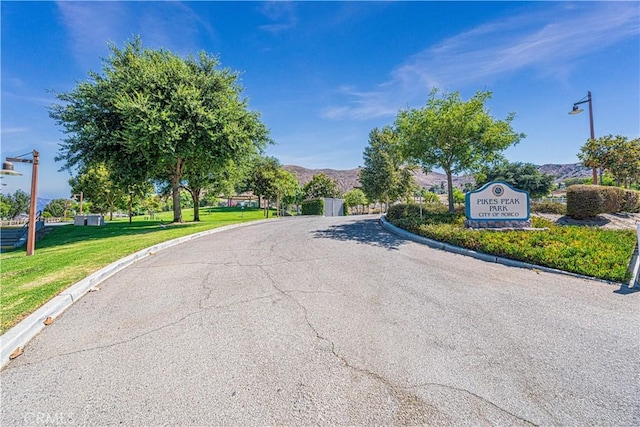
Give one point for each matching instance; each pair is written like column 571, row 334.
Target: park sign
column 497, row 202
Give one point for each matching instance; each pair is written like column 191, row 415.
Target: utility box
column 333, row 207
column 93, row 220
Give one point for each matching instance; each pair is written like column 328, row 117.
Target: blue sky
column 323, row 74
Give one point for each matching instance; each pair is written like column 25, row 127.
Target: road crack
column 412, row 409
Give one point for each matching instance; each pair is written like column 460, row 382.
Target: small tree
column 321, row 186
column 385, row 177
column 58, row 207
column 17, row 203
column 262, row 176
column 615, row 154
column 454, row 135
column 356, row 199
column 97, row 186
column 5, row 206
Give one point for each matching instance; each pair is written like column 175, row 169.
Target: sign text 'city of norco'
column 497, row 201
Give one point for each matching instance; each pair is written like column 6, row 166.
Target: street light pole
column 7, row 169
column 31, row 233
column 577, row 110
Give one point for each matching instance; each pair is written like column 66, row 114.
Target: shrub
column 549, row 207
column 631, row 201
column 584, row 201
column 403, row 210
column 584, row 250
column 313, row 207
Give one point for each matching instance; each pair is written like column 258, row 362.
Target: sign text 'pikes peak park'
column 497, row 201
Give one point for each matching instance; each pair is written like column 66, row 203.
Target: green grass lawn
column 68, row 254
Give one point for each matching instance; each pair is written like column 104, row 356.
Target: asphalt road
column 331, row 321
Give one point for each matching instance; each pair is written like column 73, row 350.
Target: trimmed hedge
column 313, row 207
column 585, row 201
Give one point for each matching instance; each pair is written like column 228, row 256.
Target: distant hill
column 348, row 179
column 563, row 172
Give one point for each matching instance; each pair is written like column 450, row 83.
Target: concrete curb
column 492, row 258
column 18, row 336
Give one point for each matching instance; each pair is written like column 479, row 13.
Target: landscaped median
column 68, row 254
column 589, row 251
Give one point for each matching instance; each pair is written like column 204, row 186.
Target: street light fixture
column 7, row 169
column 578, row 110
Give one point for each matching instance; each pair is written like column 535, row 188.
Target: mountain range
column 348, row 179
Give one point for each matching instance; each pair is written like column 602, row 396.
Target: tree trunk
column 175, row 195
column 195, row 195
column 450, row 191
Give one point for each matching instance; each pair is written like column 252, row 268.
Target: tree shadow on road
column 368, row 232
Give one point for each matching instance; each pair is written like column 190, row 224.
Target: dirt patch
column 619, row 221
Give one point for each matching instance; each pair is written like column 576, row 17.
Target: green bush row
column 585, row 201
column 549, row 207
column 590, row 251
column 313, row 207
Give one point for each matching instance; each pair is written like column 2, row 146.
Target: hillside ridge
column 348, row 178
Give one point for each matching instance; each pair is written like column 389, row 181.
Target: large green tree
column 385, row 175
column 524, row 176
column 153, row 115
column 454, row 135
column 321, row 185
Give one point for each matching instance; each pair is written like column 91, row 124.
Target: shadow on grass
column 367, row 232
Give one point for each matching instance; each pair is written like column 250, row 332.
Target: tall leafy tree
column 385, row 176
column 321, row 185
column 153, row 115
column 454, row 135
column 524, row 176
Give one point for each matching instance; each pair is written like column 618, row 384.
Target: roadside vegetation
column 68, row 254
column 604, row 254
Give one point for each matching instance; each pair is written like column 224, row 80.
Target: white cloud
column 281, row 13
column 549, row 39
column 6, row 130
column 91, row 25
